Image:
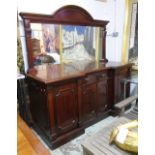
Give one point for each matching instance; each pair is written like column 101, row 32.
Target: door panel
column 102, row 96
column 88, row 102
column 119, row 89
column 66, row 108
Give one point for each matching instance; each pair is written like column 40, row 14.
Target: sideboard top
column 50, row 73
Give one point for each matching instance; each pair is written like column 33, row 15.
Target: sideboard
column 67, row 98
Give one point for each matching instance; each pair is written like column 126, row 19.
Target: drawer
column 65, row 87
column 88, row 79
column 122, row 71
column 101, row 76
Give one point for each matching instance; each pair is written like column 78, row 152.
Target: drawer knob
column 93, row 112
column 105, row 106
column 73, row 121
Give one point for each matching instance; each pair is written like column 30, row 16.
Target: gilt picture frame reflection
column 55, row 43
column 133, row 39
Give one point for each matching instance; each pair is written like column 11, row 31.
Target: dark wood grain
column 66, row 108
column 120, row 74
column 50, row 73
column 65, row 101
column 102, row 94
column 67, row 98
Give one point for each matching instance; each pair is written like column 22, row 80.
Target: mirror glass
column 55, row 43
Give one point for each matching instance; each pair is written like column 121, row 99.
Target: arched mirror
column 70, row 34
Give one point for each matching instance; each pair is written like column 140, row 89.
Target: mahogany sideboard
column 67, row 98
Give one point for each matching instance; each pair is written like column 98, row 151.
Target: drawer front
column 89, row 79
column 65, row 87
column 122, row 71
column 88, row 103
column 101, row 76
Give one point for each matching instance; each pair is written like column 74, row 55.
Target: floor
column 74, row 147
column 27, row 142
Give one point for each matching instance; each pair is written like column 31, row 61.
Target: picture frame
column 130, row 35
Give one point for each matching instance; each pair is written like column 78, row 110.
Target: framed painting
column 130, row 38
column 133, row 42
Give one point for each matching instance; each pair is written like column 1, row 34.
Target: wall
column 112, row 10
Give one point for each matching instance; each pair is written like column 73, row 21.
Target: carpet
column 74, row 146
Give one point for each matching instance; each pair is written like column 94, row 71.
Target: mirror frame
column 65, row 15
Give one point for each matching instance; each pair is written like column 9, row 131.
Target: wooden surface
column 67, row 98
column 98, row 144
column 49, row 73
column 27, row 142
column 126, row 101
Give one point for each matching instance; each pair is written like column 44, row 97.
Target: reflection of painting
column 68, row 42
column 79, row 66
column 51, row 38
column 45, row 43
column 78, row 43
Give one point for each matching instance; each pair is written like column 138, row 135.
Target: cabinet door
column 102, row 96
column 119, row 89
column 65, row 108
column 38, row 106
column 88, row 102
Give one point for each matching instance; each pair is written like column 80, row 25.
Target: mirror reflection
column 55, row 43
